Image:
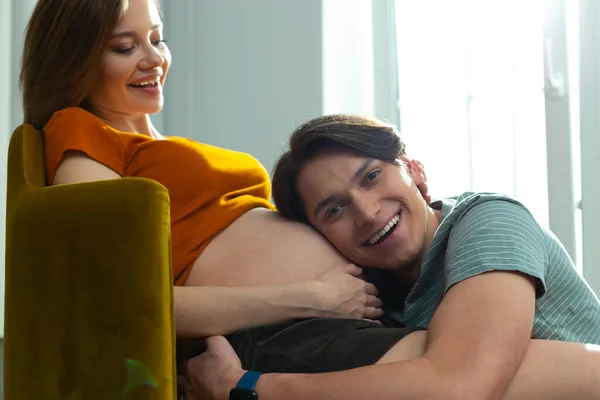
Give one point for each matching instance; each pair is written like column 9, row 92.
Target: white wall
column 590, row 138
column 244, row 73
column 21, row 11
column 5, row 128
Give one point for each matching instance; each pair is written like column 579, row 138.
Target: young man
column 477, row 271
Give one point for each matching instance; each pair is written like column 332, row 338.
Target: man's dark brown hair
column 362, row 136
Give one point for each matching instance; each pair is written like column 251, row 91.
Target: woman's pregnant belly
column 261, row 248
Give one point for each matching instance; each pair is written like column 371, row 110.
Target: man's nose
column 366, row 208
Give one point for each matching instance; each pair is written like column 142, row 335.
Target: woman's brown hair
column 62, row 54
column 366, row 137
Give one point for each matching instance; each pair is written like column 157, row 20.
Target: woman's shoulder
column 73, row 114
column 73, row 118
column 75, row 121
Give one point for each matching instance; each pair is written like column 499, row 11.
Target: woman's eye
column 124, row 50
column 160, row 42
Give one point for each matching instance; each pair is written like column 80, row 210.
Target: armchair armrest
column 89, row 297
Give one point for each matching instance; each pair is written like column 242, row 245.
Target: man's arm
column 477, row 342
column 480, row 332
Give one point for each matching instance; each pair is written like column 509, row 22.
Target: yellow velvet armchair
column 89, row 297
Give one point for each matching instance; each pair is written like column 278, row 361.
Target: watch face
column 243, row 394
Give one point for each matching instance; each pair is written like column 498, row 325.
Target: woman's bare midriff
column 261, row 248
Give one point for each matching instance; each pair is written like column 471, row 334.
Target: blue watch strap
column 248, row 380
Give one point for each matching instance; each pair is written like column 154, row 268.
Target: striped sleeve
column 496, row 235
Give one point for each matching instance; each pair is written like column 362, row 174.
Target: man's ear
column 418, row 175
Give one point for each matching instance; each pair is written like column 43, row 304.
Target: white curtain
column 471, row 96
column 489, row 100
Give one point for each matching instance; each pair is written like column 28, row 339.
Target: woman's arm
column 206, row 311
column 202, row 311
column 77, row 167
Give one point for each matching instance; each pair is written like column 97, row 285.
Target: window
column 489, row 100
column 471, row 96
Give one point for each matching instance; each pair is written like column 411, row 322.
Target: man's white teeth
column 385, row 230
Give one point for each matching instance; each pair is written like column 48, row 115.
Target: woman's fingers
column 374, row 301
column 373, row 313
column 371, row 289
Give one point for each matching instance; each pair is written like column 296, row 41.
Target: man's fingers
column 217, row 343
column 423, row 189
column 213, row 341
column 420, row 167
column 220, row 346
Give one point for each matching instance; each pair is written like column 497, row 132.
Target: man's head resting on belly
column 349, row 177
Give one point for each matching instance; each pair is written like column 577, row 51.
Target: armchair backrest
column 26, row 169
column 88, row 285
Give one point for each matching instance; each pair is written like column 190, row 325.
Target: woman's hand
column 342, row 293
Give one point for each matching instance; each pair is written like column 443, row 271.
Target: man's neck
column 409, row 274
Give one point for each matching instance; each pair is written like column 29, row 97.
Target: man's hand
column 212, row 374
column 423, row 188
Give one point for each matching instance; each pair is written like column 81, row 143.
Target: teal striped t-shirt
column 482, row 232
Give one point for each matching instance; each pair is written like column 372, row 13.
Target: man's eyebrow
column 325, row 202
column 361, row 170
column 131, row 33
column 331, row 198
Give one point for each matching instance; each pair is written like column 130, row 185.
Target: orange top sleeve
column 73, row 129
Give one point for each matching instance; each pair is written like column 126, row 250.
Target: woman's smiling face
column 134, row 65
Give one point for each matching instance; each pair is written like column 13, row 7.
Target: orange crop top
column 209, row 187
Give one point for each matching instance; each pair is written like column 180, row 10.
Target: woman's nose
column 153, row 58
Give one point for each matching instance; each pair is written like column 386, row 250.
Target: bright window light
column 471, row 96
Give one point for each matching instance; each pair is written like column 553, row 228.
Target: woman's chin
column 145, row 104
column 148, row 108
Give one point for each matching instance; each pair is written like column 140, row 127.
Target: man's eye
column 372, row 176
column 332, row 212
